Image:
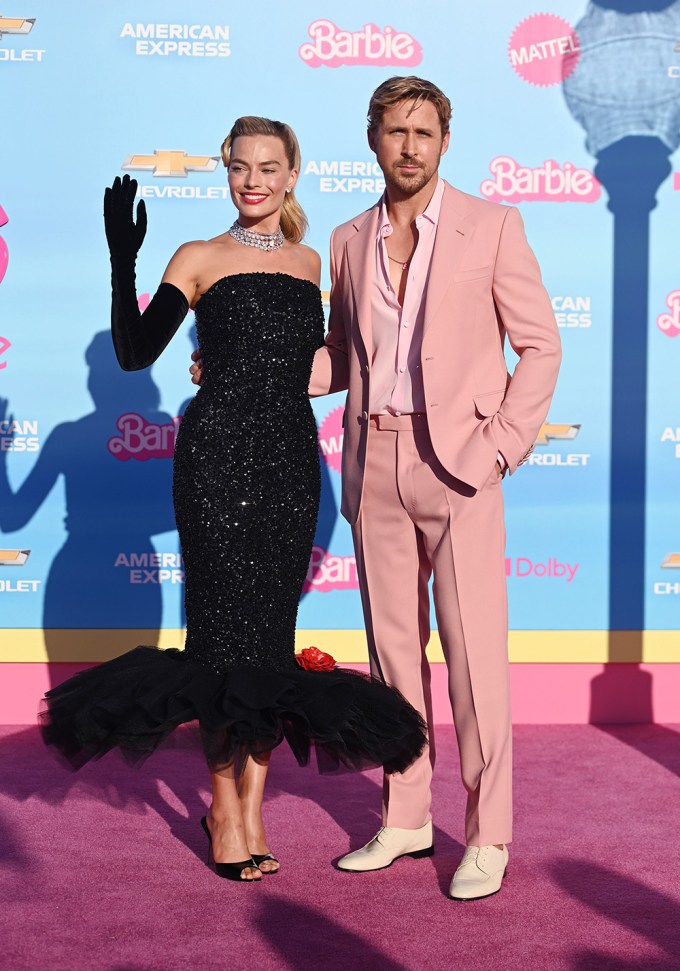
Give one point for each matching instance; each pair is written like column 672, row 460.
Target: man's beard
column 409, row 184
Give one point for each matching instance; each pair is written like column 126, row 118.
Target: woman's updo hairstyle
column 293, row 220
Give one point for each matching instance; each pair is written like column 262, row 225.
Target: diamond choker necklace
column 264, row 241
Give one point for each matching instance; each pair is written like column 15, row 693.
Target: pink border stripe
column 556, row 694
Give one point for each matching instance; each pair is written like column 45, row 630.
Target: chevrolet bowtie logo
column 170, row 164
column 14, row 557
column 563, row 433
column 15, row 25
column 671, row 561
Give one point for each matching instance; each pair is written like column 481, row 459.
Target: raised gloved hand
column 138, row 338
column 123, row 234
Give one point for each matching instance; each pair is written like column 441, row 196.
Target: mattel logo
column 327, row 572
column 333, row 47
column 549, row 182
column 152, row 568
column 141, row 440
column 543, row 49
column 522, row 566
column 331, row 435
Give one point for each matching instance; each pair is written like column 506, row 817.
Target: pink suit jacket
column 484, row 285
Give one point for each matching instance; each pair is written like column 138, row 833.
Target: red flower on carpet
column 312, row 659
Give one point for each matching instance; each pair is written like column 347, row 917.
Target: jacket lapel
column 361, row 263
column 453, row 231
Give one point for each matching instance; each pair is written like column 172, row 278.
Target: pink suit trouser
column 417, row 521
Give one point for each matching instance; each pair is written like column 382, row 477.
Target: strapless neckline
column 257, row 273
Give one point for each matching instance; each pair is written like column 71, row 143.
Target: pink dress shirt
column 396, row 375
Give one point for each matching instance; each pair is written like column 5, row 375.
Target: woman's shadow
column 115, row 502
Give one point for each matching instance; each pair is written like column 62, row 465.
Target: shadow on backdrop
column 616, row 97
column 112, row 506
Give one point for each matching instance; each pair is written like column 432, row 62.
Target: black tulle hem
column 135, row 701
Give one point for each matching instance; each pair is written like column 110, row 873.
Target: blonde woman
column 246, row 493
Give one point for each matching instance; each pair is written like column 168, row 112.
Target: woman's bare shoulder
column 309, row 262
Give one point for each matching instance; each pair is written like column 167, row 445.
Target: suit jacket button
column 364, row 415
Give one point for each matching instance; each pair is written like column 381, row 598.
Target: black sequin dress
column 246, row 494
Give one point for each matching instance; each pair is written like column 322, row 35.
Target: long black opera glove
column 138, row 338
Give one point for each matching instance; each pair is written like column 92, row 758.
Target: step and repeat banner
column 571, row 113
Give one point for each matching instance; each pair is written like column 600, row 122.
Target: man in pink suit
column 425, row 287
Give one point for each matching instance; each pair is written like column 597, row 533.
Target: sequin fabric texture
column 246, row 490
column 246, row 473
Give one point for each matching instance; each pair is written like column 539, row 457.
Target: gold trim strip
column 526, row 646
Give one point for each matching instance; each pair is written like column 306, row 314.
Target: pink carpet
column 105, row 870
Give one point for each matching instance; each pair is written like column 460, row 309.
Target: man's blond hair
column 398, row 89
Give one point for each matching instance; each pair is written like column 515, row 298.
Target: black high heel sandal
column 266, row 858
column 230, row 871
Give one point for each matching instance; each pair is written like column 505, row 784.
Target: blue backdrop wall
column 572, row 115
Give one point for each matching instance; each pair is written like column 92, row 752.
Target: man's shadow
column 113, row 506
column 288, row 926
column 627, row 902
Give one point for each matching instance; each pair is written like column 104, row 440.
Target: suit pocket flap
column 488, row 404
column 476, row 273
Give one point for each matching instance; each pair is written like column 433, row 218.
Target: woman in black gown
column 246, row 495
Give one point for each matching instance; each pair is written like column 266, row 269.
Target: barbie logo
column 369, row 46
column 668, row 324
column 328, row 572
column 549, row 182
column 141, row 440
column 4, row 252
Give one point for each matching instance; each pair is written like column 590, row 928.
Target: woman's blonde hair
column 293, row 220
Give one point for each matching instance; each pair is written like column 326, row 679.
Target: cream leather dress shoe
column 387, row 846
column 480, row 873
